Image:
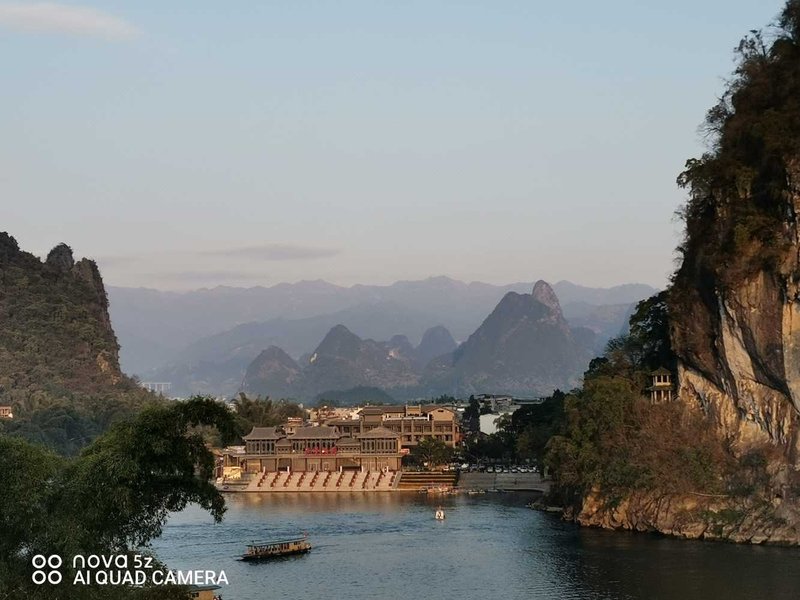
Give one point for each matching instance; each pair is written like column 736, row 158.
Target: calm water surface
column 387, row 546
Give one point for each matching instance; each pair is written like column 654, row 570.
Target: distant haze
column 258, row 142
column 212, row 335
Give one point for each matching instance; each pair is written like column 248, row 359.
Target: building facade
column 662, row 388
column 410, row 423
column 322, row 448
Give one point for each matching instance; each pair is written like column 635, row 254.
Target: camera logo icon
column 47, row 569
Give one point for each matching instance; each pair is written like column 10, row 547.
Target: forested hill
column 722, row 459
column 59, row 357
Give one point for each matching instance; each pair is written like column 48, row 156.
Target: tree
column 533, row 426
column 432, row 451
column 471, row 417
column 112, row 499
column 262, row 412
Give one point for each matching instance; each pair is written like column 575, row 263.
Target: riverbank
column 509, row 482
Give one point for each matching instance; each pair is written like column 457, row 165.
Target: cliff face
column 735, row 323
column 55, row 332
column 694, row 517
column 734, row 310
column 738, row 358
column 59, row 357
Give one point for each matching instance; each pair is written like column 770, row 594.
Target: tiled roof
column 343, row 422
column 378, row 432
column 263, row 433
column 316, row 433
column 347, row 441
column 431, row 407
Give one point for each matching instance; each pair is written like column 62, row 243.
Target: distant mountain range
column 207, row 337
column 525, row 346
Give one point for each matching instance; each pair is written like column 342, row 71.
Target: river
column 389, row 546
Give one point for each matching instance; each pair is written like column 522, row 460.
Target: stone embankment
column 522, row 482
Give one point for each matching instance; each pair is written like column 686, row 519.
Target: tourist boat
column 276, row 549
column 439, row 514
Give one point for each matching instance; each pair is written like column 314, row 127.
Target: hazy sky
column 189, row 144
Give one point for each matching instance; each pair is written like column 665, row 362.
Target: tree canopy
column 114, row 497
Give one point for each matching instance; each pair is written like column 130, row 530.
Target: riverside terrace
column 315, row 458
column 311, row 459
column 322, row 448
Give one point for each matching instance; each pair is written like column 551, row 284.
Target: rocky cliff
column 735, row 302
column 54, row 325
column 734, row 308
column 59, row 357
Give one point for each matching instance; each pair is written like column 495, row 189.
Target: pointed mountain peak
column 543, row 293
column 436, row 341
column 339, row 341
column 275, row 353
column 399, row 340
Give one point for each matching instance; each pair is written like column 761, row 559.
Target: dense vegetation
column 739, row 201
column 113, row 498
column 430, row 453
column 58, row 354
column 262, row 412
column 740, row 220
column 609, row 439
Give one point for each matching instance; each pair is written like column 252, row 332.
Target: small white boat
column 439, row 515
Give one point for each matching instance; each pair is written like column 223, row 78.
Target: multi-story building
column 410, row 423
column 375, row 441
column 322, row 448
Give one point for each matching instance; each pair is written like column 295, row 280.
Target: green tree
column 113, row 498
column 432, row 451
column 471, row 417
column 262, row 412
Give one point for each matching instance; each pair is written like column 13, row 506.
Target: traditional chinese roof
column 661, row 371
column 378, row 432
column 348, row 441
column 323, row 432
column 431, row 407
column 373, row 410
column 263, row 433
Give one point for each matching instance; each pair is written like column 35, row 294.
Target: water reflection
column 390, row 546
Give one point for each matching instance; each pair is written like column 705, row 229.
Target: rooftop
column 315, row 433
column 263, row 433
column 378, row 432
column 661, row 371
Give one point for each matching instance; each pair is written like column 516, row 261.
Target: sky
column 194, row 144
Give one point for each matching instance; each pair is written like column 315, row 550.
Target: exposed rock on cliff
column 54, row 323
column 734, row 314
column 59, row 357
column 735, row 302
